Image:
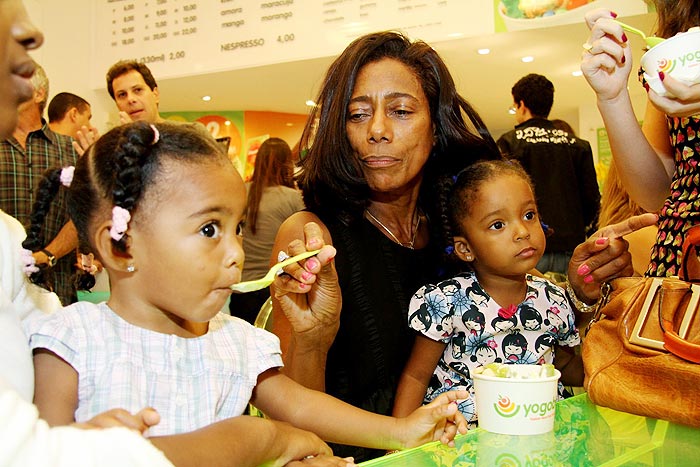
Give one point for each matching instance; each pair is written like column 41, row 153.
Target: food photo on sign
column 529, row 14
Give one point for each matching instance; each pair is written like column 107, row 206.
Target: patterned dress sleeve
column 559, row 316
column 430, row 313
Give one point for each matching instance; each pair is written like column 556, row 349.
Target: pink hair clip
column 87, row 264
column 67, row 175
column 156, row 134
column 28, row 262
column 120, row 222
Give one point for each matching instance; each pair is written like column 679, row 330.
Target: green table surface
column 94, row 297
column 584, row 435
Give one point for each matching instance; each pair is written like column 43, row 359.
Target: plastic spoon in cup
column 257, row 284
column 650, row 40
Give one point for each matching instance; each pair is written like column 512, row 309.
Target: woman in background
column 272, row 197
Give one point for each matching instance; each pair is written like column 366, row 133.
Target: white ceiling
column 484, row 80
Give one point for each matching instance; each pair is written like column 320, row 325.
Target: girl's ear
column 110, row 256
column 462, row 249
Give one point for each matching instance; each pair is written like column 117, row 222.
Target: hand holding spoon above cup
column 651, row 41
column 252, row 286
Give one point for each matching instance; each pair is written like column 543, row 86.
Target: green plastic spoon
column 257, row 284
column 650, row 40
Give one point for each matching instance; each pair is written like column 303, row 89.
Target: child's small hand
column 439, row 420
column 323, row 461
column 140, row 421
column 303, row 448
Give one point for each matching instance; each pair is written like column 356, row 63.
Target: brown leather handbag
column 641, row 353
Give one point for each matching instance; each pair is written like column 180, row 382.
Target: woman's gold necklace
column 394, row 237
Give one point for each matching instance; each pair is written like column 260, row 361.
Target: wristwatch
column 50, row 256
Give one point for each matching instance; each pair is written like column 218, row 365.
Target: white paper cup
column 677, row 56
column 516, row 406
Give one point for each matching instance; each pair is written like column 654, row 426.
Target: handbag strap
column 680, row 347
column 673, row 342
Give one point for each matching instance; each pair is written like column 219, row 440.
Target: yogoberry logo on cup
column 505, row 407
column 508, row 409
column 666, row 65
column 687, row 59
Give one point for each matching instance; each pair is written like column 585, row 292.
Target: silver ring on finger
column 281, row 256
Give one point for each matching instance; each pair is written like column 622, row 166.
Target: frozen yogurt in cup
column 516, row 399
column 677, row 56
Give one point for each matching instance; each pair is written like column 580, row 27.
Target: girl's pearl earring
column 131, row 268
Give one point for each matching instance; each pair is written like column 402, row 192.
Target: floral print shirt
column 477, row 331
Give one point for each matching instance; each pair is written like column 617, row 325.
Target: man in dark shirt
column 24, row 157
column 561, row 167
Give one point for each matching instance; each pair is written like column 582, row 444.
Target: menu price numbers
column 160, row 35
column 152, row 58
column 187, row 31
column 282, row 38
column 190, row 19
column 162, row 12
column 161, row 58
column 190, row 7
column 161, row 2
column 129, row 6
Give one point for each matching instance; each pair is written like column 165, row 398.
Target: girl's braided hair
column 35, row 241
column 116, row 171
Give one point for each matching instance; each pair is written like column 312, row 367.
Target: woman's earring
column 131, row 268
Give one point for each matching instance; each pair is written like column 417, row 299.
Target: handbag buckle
column 644, row 316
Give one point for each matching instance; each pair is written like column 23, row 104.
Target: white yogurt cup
column 516, row 406
column 677, row 56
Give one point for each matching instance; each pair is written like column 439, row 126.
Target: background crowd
column 412, row 204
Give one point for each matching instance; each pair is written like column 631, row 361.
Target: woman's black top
column 377, row 279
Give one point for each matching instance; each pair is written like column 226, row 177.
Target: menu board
column 184, row 37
